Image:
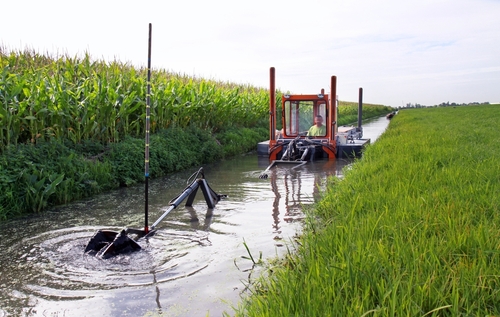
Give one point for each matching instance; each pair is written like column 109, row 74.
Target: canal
column 198, row 262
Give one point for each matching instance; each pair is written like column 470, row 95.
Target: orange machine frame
column 328, row 141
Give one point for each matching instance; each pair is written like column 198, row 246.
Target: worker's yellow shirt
column 317, row 131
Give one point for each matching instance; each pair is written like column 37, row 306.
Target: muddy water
column 196, row 264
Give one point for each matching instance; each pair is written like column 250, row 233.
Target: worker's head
column 318, row 120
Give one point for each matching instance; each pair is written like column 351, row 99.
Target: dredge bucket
column 108, row 243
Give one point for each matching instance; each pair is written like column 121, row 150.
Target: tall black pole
column 360, row 108
column 272, row 104
column 146, row 150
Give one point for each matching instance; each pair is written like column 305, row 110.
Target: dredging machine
column 309, row 129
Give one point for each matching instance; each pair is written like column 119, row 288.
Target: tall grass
column 412, row 229
column 81, row 99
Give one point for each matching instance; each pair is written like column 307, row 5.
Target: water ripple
column 59, row 268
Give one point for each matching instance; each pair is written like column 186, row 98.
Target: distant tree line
column 444, row 104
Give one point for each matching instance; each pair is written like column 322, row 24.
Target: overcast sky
column 399, row 52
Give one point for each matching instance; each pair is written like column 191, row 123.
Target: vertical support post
column 207, row 193
column 333, row 105
column 360, row 108
column 146, row 150
column 272, row 105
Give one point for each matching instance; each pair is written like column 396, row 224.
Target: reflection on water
column 195, row 262
column 294, row 188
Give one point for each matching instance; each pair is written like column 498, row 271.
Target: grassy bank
column 412, row 229
column 54, row 172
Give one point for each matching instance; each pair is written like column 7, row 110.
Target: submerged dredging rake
column 109, row 243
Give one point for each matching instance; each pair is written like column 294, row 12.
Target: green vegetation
column 33, row 177
column 446, row 104
column 79, row 99
column 74, row 127
column 411, row 230
column 348, row 112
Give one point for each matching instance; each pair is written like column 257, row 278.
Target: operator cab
column 299, row 116
column 308, row 129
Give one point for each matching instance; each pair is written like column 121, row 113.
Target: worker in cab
column 318, row 129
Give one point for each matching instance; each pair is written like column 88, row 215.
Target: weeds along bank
column 74, row 127
column 411, row 230
column 33, row 177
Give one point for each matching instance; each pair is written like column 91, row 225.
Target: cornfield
column 80, row 99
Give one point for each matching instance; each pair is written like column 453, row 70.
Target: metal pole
column 272, row 106
column 333, row 105
column 360, row 108
column 146, row 150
